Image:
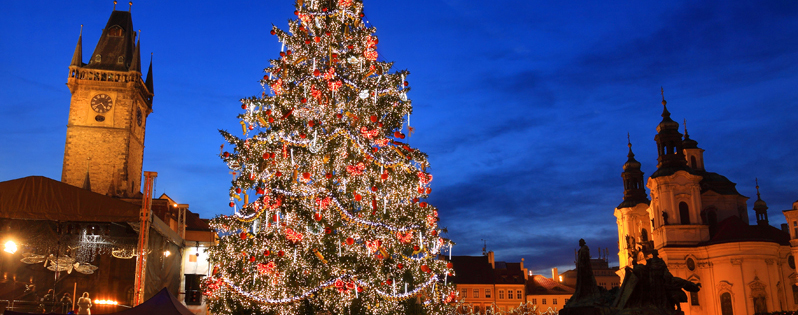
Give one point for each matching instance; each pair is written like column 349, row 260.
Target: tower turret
column 761, row 208
column 669, row 144
column 634, row 189
column 693, row 154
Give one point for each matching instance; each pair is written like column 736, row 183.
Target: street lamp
column 10, row 247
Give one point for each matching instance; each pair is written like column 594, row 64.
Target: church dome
column 689, row 143
column 631, row 163
column 760, row 204
column 667, row 123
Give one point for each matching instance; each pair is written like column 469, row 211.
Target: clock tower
column 108, row 112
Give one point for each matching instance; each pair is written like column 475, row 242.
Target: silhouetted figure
column 586, row 289
column 84, row 304
column 66, row 303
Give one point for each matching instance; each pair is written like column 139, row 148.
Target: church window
column 684, row 213
column 760, row 305
column 692, row 162
column 120, row 60
column 694, row 298
column 115, row 31
column 726, row 304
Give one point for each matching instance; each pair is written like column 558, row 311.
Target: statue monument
column 647, row 289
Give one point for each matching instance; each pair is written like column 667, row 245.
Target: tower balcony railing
column 103, row 75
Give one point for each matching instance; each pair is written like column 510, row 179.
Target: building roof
column 42, row 198
column 734, row 229
column 114, row 44
column 472, row 270
column 717, row 183
column 508, row 273
column 540, row 285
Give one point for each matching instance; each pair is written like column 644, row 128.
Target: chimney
column 526, row 273
column 490, row 260
column 555, row 275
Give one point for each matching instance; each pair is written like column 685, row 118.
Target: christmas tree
column 328, row 210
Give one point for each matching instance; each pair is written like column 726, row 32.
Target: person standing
column 66, row 303
column 84, row 304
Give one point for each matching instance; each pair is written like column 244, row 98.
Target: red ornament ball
column 252, row 258
column 423, row 204
column 271, row 119
column 450, row 265
column 400, row 266
column 384, row 176
column 388, row 282
column 373, row 188
column 232, row 204
column 415, row 248
column 280, row 253
column 328, row 230
column 415, row 200
column 399, row 135
column 278, row 174
column 304, row 100
column 327, row 33
column 296, row 12
column 226, row 154
column 238, row 190
column 267, row 252
column 288, row 52
column 317, row 39
column 407, row 83
column 243, row 235
column 362, row 14
column 317, row 216
column 302, row 135
column 306, row 175
column 265, row 76
column 358, row 197
column 328, row 175
column 339, row 116
column 307, row 42
column 373, row 118
column 251, row 127
column 324, row 9
column 350, row 47
column 311, row 124
column 282, row 54
column 359, row 289
column 243, row 106
column 350, row 241
column 272, row 32
column 316, row 72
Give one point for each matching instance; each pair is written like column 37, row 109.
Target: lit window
column 518, row 295
column 554, row 301
column 476, row 293
column 487, row 293
column 534, row 301
column 501, row 294
column 115, row 31
column 465, row 293
column 543, row 302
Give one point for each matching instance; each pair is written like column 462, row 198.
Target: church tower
column 675, row 190
column 634, row 226
column 108, row 112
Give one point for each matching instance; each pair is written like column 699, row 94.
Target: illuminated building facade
column 698, row 223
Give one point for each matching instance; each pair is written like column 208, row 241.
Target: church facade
column 698, row 222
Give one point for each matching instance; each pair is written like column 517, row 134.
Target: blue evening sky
column 522, row 106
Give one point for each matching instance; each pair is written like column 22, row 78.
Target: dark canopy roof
column 734, row 229
column 162, row 303
column 41, row 198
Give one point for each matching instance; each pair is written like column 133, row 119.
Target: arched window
column 115, row 31
column 692, row 161
column 726, row 304
column 644, row 235
column 684, row 213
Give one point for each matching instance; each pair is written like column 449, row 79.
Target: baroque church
column 698, row 223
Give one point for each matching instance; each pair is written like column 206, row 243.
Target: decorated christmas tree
column 327, row 201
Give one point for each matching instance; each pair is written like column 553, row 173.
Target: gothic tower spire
column 77, row 57
column 148, row 82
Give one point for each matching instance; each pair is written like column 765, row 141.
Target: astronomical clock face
column 101, row 103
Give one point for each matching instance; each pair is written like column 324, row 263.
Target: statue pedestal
column 581, row 310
